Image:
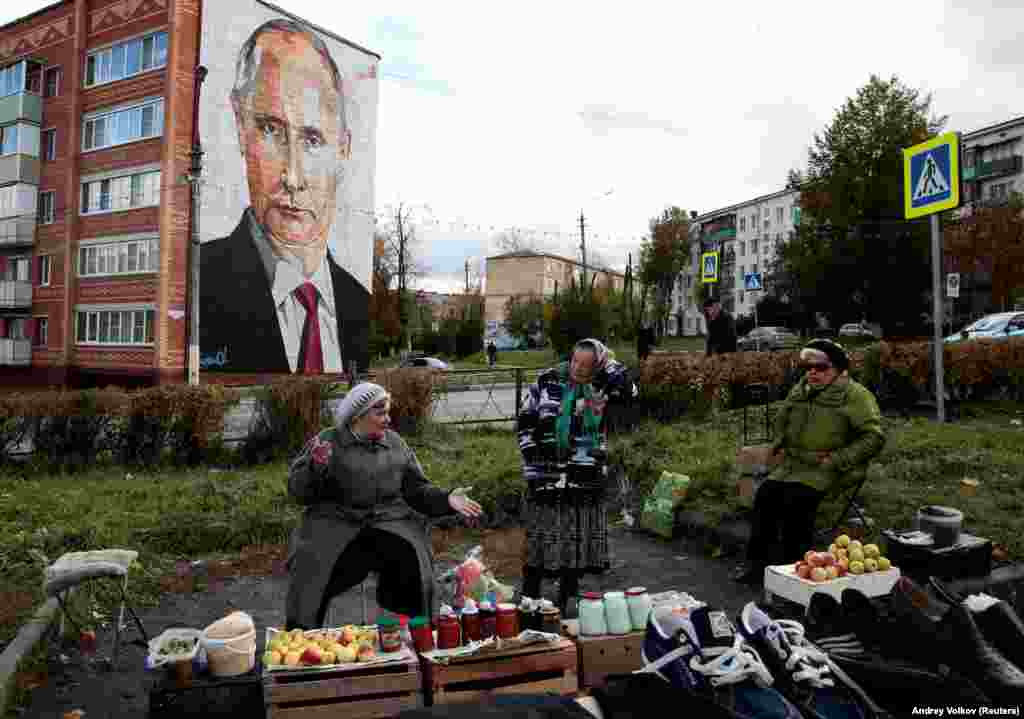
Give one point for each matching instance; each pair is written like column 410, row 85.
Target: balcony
column 19, row 168
column 18, row 231
column 993, row 168
column 21, row 106
column 15, row 294
column 15, row 352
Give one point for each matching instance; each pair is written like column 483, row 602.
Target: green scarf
column 591, row 422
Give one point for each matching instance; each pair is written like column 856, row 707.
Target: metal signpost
column 752, row 283
column 931, row 184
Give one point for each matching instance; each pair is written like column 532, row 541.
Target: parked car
column 997, row 326
column 768, row 338
column 861, row 329
column 431, row 362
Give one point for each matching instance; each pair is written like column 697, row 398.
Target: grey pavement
column 639, row 560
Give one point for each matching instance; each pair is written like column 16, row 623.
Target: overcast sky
column 520, row 115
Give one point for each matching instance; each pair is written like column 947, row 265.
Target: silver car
column 769, row 339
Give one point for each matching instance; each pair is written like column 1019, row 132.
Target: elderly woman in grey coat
column 362, row 486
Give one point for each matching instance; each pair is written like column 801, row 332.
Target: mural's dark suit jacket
column 238, row 317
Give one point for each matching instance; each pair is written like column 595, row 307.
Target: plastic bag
column 473, row 579
column 658, row 513
column 160, row 647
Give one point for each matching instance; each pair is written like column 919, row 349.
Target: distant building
column 524, row 272
column 992, row 168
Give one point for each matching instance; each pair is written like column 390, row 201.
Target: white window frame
column 94, row 324
column 42, row 333
column 60, row 76
column 45, row 268
column 109, row 48
column 42, row 144
column 51, row 217
column 158, row 123
column 111, row 177
column 109, row 250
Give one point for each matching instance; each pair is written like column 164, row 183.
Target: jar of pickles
column 616, row 612
column 591, row 615
column 639, row 602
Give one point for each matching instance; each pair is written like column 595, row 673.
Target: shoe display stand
column 533, row 669
column 608, row 654
column 376, row 691
column 782, row 580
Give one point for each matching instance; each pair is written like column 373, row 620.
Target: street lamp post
column 194, row 178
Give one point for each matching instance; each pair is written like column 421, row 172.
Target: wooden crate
column 534, row 669
column 376, row 691
column 608, row 654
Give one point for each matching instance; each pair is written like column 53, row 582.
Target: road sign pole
column 940, row 383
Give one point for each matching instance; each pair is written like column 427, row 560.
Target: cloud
column 599, row 119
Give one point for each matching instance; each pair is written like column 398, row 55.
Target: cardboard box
column 608, row 654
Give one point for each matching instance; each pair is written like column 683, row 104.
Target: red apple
column 804, row 571
column 311, row 655
column 827, row 560
column 817, row 560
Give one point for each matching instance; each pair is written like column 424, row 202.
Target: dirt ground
column 255, row 581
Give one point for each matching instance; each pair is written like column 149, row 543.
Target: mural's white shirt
column 285, row 276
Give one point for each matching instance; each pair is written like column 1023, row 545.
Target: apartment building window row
column 119, row 258
column 121, row 193
column 47, row 213
column 115, row 327
column 126, row 59
column 20, row 138
column 124, row 125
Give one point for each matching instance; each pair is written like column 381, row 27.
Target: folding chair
column 71, row 569
column 853, row 493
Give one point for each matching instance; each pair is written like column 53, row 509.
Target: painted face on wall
column 293, row 145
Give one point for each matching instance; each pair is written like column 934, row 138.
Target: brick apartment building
column 96, row 118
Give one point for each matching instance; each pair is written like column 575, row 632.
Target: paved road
column 496, row 403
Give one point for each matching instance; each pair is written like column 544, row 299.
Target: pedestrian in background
column 492, row 353
column 721, row 328
column 644, row 341
column 564, row 445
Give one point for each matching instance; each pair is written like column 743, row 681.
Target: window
column 119, row 258
column 998, row 191
column 51, row 82
column 18, row 200
column 126, row 59
column 743, row 272
column 743, row 224
column 125, row 125
column 778, row 214
column 767, row 221
column 743, row 247
column 741, row 296
column 753, row 246
column 12, row 79
column 8, row 140
column 115, row 327
column 42, row 333
column 49, row 144
column 47, row 207
column 753, row 268
column 44, row 270
column 753, row 221
column 121, row 193
column 15, row 269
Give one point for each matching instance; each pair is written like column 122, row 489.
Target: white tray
column 783, row 581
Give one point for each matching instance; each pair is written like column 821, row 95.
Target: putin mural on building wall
column 287, row 240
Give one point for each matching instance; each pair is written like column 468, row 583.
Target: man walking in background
column 721, row 328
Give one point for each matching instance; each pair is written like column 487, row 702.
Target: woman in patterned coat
column 562, row 439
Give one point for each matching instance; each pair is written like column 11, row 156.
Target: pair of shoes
column 699, row 651
column 953, row 635
column 999, row 624
column 803, row 673
column 752, row 575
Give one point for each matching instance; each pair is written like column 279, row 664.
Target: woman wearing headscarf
column 828, row 429
column 562, row 439
column 362, row 486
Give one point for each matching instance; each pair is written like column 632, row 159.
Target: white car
column 861, row 329
column 998, row 326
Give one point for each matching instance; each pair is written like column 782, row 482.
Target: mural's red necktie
column 311, row 354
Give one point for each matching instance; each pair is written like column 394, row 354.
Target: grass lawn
column 185, row 514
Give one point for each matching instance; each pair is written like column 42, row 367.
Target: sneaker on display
column 698, row 650
column 830, row 629
column 804, row 674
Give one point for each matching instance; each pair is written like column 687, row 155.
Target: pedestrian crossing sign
column 931, row 176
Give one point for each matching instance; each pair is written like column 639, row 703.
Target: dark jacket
column 721, row 334
column 842, row 418
column 238, row 326
column 364, row 484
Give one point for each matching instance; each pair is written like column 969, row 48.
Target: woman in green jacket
column 828, row 430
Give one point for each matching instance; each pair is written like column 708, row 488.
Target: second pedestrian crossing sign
column 931, row 176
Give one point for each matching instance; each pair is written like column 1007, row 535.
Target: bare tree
column 514, row 241
column 402, row 248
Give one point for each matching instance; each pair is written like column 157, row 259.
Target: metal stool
column 73, row 568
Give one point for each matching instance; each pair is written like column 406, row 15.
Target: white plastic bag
column 158, row 658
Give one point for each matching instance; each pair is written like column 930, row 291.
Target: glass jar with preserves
column 639, row 602
column 449, row 632
column 551, row 618
column 422, row 634
column 507, row 620
column 470, row 622
column 591, row 614
column 390, row 634
column 616, row 612
column 488, row 620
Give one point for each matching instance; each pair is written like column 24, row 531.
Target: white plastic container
column 782, row 580
column 230, row 645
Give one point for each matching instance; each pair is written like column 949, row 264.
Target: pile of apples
column 297, row 648
column 844, row 557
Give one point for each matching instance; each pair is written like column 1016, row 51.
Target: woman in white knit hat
column 361, row 485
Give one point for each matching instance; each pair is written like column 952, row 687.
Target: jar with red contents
column 507, row 621
column 470, row 622
column 449, row 632
column 422, row 634
column 488, row 620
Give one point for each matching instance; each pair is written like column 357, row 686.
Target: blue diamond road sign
column 931, row 175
